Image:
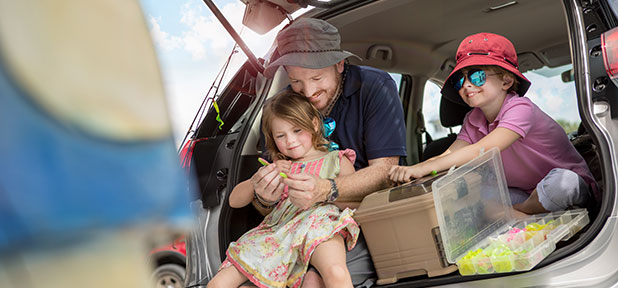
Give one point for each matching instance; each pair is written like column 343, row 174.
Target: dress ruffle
column 348, row 153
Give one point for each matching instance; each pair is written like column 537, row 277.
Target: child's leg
column 531, row 205
column 228, row 277
column 329, row 259
column 559, row 190
column 518, row 197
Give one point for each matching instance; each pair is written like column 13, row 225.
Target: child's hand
column 403, row 174
column 284, row 166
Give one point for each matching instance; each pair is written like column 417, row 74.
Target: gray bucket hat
column 308, row 43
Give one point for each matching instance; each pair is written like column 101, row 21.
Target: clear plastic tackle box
column 477, row 227
column 462, row 217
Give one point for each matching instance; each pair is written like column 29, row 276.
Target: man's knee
column 312, row 280
column 359, row 262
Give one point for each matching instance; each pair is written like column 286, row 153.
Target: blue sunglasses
column 477, row 77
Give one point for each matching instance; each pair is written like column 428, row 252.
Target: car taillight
column 186, row 153
column 609, row 46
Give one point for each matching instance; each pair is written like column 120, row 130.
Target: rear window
column 548, row 91
column 555, row 97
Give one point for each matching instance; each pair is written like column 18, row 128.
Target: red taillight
column 186, row 153
column 609, row 46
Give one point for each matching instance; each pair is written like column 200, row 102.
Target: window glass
column 548, row 91
column 397, row 78
column 614, row 5
column 431, row 112
column 554, row 97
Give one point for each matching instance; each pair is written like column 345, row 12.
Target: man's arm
column 354, row 187
column 305, row 189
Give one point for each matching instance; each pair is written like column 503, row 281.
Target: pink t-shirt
column 543, row 144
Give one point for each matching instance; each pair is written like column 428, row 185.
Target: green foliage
column 568, row 126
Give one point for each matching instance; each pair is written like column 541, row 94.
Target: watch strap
column 334, row 192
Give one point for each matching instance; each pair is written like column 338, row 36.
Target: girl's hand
column 267, row 183
column 403, row 174
column 284, row 166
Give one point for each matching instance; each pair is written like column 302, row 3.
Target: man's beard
column 332, row 94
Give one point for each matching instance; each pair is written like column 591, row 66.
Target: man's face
column 319, row 85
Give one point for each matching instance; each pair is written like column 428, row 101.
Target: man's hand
column 305, row 189
column 267, row 183
column 403, row 174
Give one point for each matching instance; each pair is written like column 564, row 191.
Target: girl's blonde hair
column 296, row 109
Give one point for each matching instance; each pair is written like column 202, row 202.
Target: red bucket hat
column 485, row 49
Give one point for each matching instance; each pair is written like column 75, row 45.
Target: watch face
column 334, row 196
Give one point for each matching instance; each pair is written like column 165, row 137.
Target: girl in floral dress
column 278, row 252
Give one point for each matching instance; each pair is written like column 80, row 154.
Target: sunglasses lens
column 477, row 78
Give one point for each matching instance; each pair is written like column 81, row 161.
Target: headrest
column 452, row 114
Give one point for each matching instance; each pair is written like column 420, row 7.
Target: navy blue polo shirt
column 369, row 116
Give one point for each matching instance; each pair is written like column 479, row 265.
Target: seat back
column 451, row 115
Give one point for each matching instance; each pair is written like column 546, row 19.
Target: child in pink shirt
column 544, row 172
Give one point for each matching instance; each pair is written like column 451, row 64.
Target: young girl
column 543, row 170
column 278, row 251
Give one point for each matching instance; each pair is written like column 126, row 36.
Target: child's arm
column 345, row 166
column 456, row 145
column 459, row 155
column 242, row 194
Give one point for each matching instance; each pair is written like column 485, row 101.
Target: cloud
column 553, row 96
column 202, row 35
column 161, row 38
column 192, row 46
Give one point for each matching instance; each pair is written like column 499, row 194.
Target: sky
column 192, row 46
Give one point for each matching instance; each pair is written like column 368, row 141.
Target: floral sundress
column 276, row 253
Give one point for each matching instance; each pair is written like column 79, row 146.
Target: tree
column 567, row 126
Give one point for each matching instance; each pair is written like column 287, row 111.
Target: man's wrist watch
column 334, row 192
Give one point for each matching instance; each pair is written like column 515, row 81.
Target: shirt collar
column 507, row 99
column 477, row 119
column 352, row 81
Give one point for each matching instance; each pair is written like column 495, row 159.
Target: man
column 368, row 116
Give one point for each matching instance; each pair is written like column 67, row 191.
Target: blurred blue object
column 55, row 179
column 62, row 176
